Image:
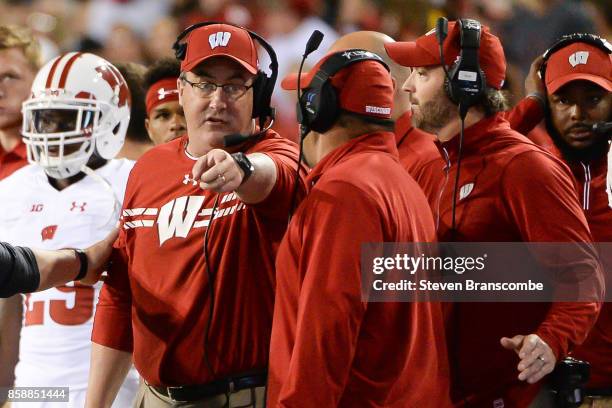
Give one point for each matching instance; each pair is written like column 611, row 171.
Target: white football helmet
column 80, row 103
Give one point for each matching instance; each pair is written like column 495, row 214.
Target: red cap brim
column 290, row 82
column 195, row 63
column 556, row 84
column 410, row 54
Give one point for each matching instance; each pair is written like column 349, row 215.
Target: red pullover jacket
column 417, row 149
column 519, row 193
column 591, row 185
column 329, row 348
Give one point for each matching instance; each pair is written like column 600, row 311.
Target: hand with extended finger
column 217, row 171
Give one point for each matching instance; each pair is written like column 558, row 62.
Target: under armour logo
column 219, row 39
column 472, row 24
column 188, row 180
column 75, row 206
column 162, row 93
column 465, row 191
column 579, row 57
column 48, row 233
column 430, row 32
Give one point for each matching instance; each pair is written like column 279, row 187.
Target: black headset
column 465, row 82
column 263, row 85
column 318, row 107
column 566, row 40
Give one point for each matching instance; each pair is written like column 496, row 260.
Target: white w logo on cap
column 579, row 57
column 219, row 39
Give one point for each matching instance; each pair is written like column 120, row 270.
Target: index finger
column 200, row 166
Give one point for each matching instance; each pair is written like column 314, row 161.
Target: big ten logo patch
column 37, row 208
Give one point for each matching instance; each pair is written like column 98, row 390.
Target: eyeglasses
column 206, row 89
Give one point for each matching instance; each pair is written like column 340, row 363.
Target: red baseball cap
column 425, row 51
column 578, row 60
column 220, row 40
column 363, row 87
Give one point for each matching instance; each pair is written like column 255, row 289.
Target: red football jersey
column 157, row 298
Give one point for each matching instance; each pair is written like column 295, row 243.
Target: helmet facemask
column 60, row 134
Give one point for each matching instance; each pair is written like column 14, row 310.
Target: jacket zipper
column 586, row 191
column 446, row 172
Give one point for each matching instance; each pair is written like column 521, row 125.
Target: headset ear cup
column 450, row 91
column 263, row 87
column 542, row 70
column 308, row 108
column 180, row 51
column 258, row 86
column 483, row 83
column 328, row 109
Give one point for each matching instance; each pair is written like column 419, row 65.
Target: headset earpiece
column 466, row 81
column 319, row 105
column 326, row 108
column 179, row 51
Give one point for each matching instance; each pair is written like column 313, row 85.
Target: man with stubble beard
column 495, row 201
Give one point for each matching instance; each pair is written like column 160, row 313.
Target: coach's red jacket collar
column 382, row 142
column 403, row 125
column 475, row 137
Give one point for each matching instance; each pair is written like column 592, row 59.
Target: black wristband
column 245, row 164
column 84, row 264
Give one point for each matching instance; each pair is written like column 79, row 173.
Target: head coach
column 191, row 290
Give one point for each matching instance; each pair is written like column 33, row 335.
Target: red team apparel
column 55, row 339
column 597, row 349
column 328, row 347
column 517, row 193
column 581, row 61
column 590, row 177
column 157, row 300
column 13, row 160
column 417, row 149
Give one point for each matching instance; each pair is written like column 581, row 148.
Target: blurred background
column 143, row 31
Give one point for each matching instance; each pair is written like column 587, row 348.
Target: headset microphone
column 441, row 30
column 311, row 45
column 313, row 42
column 235, row 139
column 602, row 128
column 441, row 33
